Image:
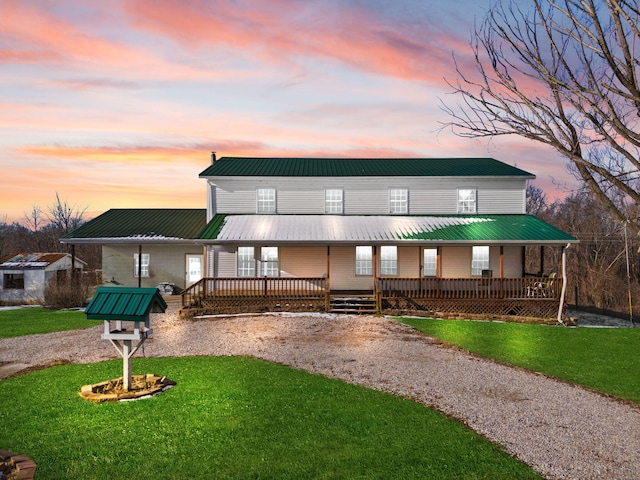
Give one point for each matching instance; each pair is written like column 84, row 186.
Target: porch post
column 542, row 260
column 501, row 271
column 139, row 265
column 73, row 261
column 564, row 282
column 327, row 293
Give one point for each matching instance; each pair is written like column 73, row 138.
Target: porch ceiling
column 331, row 229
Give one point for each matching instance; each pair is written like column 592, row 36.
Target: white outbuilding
column 23, row 277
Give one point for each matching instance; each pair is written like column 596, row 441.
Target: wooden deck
column 490, row 297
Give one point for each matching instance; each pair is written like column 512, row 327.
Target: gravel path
column 561, row 430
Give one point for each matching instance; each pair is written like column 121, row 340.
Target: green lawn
column 232, row 417
column 605, row 359
column 27, row 321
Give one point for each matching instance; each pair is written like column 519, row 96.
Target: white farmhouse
column 341, row 234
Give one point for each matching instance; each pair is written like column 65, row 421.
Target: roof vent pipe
column 213, row 158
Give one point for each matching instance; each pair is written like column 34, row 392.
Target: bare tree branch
column 64, row 217
column 563, row 73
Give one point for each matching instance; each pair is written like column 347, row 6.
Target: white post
column 126, row 365
column 564, row 282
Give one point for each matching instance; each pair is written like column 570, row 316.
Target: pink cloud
column 285, row 30
column 36, row 36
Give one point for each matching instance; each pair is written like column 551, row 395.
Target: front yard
column 233, row 417
column 605, row 359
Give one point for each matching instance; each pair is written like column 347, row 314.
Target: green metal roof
column 381, row 229
column 124, row 303
column 520, row 228
column 212, row 230
column 362, row 167
column 146, row 224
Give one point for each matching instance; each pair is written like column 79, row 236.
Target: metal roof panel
column 143, row 224
column 276, row 229
column 361, row 167
column 124, row 303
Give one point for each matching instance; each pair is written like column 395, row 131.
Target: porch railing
column 254, row 287
column 470, row 288
column 415, row 288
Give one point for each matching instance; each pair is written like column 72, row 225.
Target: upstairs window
column 398, row 200
column 479, row 260
column 333, row 201
column 269, row 262
column 266, row 200
column 430, row 262
column 246, row 262
column 388, row 260
column 467, row 200
column 144, row 271
column 364, row 260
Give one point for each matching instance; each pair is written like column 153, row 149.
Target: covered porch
column 492, row 297
column 431, row 265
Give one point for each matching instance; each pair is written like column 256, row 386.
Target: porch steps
column 353, row 304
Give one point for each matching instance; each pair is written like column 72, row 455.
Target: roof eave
column 126, row 241
column 388, row 242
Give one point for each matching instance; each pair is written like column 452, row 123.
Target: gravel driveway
column 562, row 431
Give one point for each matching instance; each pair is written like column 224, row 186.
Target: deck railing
column 411, row 288
column 254, row 287
column 470, row 288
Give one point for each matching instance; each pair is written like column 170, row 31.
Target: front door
column 193, row 269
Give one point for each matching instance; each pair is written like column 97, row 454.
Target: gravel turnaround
column 561, row 430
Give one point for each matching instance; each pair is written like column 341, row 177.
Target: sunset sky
column 118, row 103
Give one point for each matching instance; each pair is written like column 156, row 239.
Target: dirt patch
column 142, row 386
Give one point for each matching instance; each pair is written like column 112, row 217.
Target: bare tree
column 64, row 217
column 536, row 200
column 34, row 219
column 563, row 73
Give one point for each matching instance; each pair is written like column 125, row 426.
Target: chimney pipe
column 213, row 158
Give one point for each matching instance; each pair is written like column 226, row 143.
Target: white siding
column 436, row 201
column 343, row 271
column 291, row 202
column 370, row 196
column 500, row 201
column 166, row 264
column 409, row 261
column 303, row 261
column 236, row 202
column 494, row 260
column 226, row 262
column 456, row 262
column 513, row 262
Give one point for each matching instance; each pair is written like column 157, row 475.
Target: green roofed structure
column 438, row 234
column 125, row 312
column 124, row 303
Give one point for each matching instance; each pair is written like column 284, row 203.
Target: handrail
column 470, row 288
column 415, row 288
column 254, row 287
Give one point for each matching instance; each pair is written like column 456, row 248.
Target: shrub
column 60, row 294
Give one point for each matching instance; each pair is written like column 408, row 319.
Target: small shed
column 125, row 312
column 23, row 276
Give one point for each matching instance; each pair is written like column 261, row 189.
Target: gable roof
column 33, row 260
column 124, row 303
column 141, row 225
column 389, row 229
column 362, row 167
